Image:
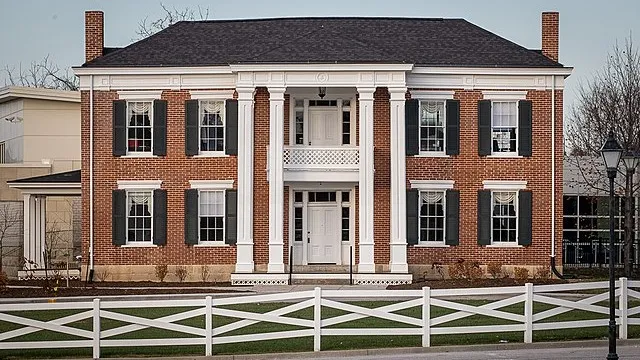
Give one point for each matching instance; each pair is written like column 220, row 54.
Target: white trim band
column 432, row 184
column 504, row 95
column 139, row 184
column 504, row 184
column 432, row 94
column 211, row 94
column 139, row 94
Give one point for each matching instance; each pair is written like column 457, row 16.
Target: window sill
column 504, row 246
column 139, row 155
column 149, row 245
column 201, row 245
column 505, row 156
column 211, row 154
column 426, row 245
column 432, row 155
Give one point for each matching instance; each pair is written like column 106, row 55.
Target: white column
column 26, row 221
column 34, row 208
column 398, row 251
column 276, row 180
column 365, row 100
column 244, row 250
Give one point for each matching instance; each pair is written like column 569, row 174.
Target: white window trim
column 432, row 184
column 138, row 243
column 426, row 153
column 505, row 185
column 504, row 95
column 139, row 184
column 441, row 243
column 223, row 114
column 140, row 95
column 213, row 243
column 138, row 154
column 211, row 184
column 504, row 154
column 432, row 94
column 516, row 205
column 215, row 95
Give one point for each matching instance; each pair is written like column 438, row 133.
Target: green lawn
column 298, row 344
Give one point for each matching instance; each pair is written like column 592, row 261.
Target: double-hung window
column 139, row 126
column 211, row 216
column 139, row 213
column 432, row 126
column 432, row 216
column 504, row 217
column 211, row 125
column 504, row 127
column 139, row 216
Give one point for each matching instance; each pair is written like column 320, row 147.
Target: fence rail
column 317, row 326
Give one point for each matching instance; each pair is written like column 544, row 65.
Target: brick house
column 387, row 144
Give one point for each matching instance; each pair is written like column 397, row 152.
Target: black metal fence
column 594, row 253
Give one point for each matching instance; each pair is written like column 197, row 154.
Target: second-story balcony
column 337, row 163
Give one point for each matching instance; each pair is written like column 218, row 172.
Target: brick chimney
column 93, row 34
column 550, row 39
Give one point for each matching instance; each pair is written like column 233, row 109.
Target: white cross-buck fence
column 82, row 328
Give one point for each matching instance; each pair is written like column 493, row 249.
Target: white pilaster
column 276, row 179
column 244, row 251
column 398, row 251
column 365, row 100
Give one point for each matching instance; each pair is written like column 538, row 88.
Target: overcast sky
column 30, row 29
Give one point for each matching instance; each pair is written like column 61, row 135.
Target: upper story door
column 324, row 128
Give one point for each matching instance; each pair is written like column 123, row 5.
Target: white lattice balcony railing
column 308, row 157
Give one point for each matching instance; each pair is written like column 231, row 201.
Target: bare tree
column 609, row 102
column 41, row 74
column 9, row 218
column 170, row 16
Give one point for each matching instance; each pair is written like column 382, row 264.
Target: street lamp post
column 611, row 153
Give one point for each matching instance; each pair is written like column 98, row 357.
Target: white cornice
column 197, row 70
column 450, row 70
column 9, row 93
column 320, row 67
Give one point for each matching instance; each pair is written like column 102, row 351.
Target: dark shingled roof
column 63, row 177
column 420, row 41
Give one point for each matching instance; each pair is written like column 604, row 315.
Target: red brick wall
column 176, row 169
column 550, row 34
column 382, row 177
column 94, row 34
column 468, row 170
column 260, row 183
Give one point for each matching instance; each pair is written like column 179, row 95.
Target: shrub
column 181, row 272
column 204, row 273
column 521, row 273
column 103, row 273
column 495, row 270
column 542, row 273
column 161, row 271
column 462, row 269
column 439, row 269
column 4, row 280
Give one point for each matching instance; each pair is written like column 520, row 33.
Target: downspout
column 553, row 178
column 91, row 269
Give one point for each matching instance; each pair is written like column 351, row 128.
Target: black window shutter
column 525, row 208
column 118, row 217
column 412, row 127
column 231, row 117
column 160, row 217
column 525, row 147
column 231, row 217
column 453, row 127
column 119, row 127
column 191, row 216
column 412, row 216
column 484, row 127
column 191, row 132
column 484, row 217
column 160, row 127
column 452, row 234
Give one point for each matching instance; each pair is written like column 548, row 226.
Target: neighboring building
column 39, row 135
column 387, row 143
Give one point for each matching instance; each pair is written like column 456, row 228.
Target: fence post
column 426, row 317
column 528, row 313
column 623, row 306
column 96, row 328
column 208, row 327
column 317, row 318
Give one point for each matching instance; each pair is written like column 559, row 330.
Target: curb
column 404, row 350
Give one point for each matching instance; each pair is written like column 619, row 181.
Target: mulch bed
column 38, row 288
column 464, row 283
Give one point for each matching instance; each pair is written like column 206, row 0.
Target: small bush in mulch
column 477, row 283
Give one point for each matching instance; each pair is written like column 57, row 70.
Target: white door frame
column 304, row 248
column 305, row 108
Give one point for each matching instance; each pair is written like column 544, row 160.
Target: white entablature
column 330, row 75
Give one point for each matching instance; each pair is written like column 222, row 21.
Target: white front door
column 324, row 128
column 323, row 234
